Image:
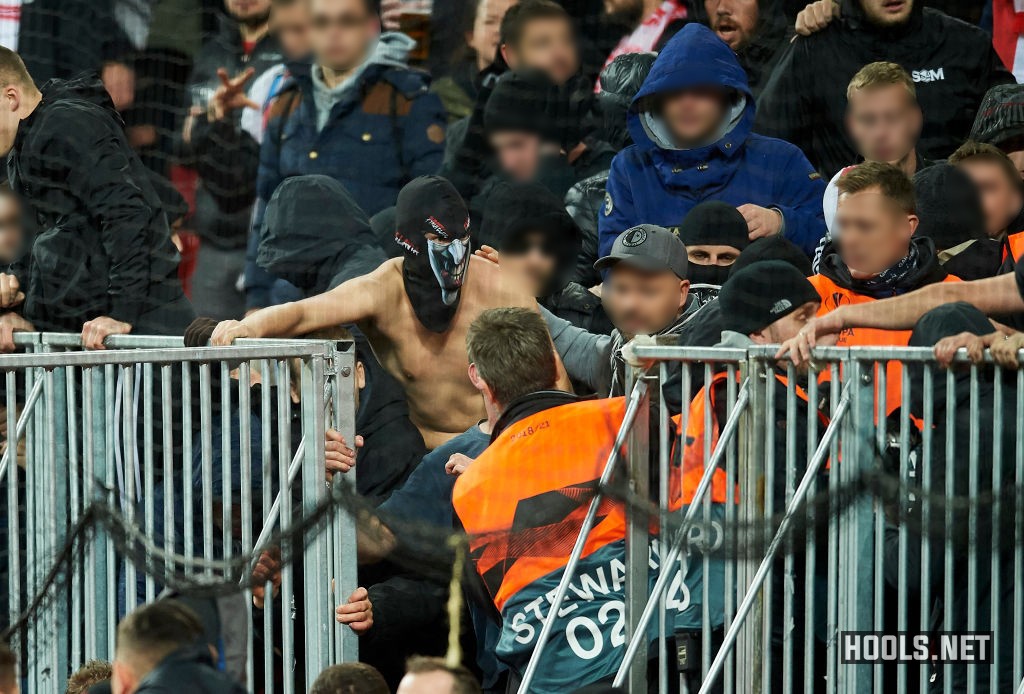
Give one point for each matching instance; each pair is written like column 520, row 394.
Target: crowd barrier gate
column 159, row 431
column 877, row 556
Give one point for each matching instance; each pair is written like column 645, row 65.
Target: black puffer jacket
column 584, row 202
column 951, row 62
column 188, row 670
column 103, row 247
column 226, row 157
column 760, row 55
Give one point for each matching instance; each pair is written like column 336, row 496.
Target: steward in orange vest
column 838, row 288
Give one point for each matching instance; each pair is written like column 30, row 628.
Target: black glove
column 199, row 332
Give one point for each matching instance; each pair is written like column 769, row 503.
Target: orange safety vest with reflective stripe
column 683, row 482
column 832, row 297
column 523, row 500
column 1014, row 246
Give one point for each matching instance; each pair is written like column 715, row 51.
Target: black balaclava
column 435, row 268
column 712, row 223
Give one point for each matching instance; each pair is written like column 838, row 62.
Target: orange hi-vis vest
column 1014, row 246
column 683, row 482
column 523, row 500
column 832, row 297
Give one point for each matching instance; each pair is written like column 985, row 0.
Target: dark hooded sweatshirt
column 761, row 54
column 952, row 64
column 103, row 247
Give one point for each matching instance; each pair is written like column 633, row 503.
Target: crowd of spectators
column 464, row 187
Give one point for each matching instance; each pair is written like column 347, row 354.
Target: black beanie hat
column 762, row 293
column 946, row 320
column 948, row 205
column 518, row 103
column 773, row 248
column 714, row 223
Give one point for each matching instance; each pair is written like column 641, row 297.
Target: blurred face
column 248, row 12
column 884, row 122
column 484, row 37
column 735, row 21
column 290, row 23
column 887, row 12
column 642, row 303
column 10, row 228
column 518, row 154
column 694, row 115
column 342, row 31
column 548, row 45
column 1001, row 199
column 436, row 682
column 788, row 326
column 531, row 257
column 874, row 233
column 722, row 256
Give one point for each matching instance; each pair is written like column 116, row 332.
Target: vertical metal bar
column 187, row 485
column 705, row 510
column 75, row 477
column 810, row 544
column 637, row 540
column 318, row 615
column 881, row 371
column 947, row 571
column 166, row 411
column 789, row 579
column 267, row 462
column 995, row 595
column 129, row 459
column 226, row 461
column 13, row 502
column 288, row 548
column 972, row 522
column 206, row 439
column 927, row 534
column 148, row 470
column 663, row 503
column 729, row 601
column 904, row 472
column 245, row 498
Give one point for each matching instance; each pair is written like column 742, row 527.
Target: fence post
column 344, row 388
column 750, row 477
column 855, row 588
column 637, row 524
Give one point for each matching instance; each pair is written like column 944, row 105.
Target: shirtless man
column 415, row 310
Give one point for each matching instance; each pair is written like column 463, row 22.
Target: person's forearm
column 902, row 312
column 285, row 320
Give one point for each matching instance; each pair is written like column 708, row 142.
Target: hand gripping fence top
column 846, row 520
column 151, row 467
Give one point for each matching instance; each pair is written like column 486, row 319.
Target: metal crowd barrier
column 209, row 452
column 892, row 547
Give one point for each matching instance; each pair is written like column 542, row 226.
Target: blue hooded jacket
column 653, row 182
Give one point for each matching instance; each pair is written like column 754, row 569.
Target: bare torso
column 432, row 367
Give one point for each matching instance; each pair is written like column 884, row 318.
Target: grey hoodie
column 390, row 49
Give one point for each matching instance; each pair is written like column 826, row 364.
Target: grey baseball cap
column 647, row 247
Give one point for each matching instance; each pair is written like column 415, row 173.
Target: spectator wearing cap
column 1000, row 122
column 691, row 124
column 764, row 303
column 645, row 292
column 950, row 214
column 620, row 82
column 714, row 234
column 534, row 127
column 539, row 241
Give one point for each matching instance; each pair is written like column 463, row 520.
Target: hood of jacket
column 694, row 57
column 315, row 236
column 1001, row 115
column 86, row 86
column 530, row 404
column 514, row 209
column 925, row 270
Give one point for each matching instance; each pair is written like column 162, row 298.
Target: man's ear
column 13, row 98
column 360, row 375
column 474, row 377
column 122, row 679
column 505, row 53
column 684, row 291
column 913, row 221
column 759, row 338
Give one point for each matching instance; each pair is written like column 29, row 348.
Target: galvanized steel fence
column 210, row 452
column 882, row 495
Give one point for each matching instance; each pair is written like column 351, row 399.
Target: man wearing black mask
column 415, row 309
column 714, row 233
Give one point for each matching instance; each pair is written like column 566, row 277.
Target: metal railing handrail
column 268, row 349
column 735, row 355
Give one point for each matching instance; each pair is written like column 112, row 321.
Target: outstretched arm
column 354, row 301
column 995, row 295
